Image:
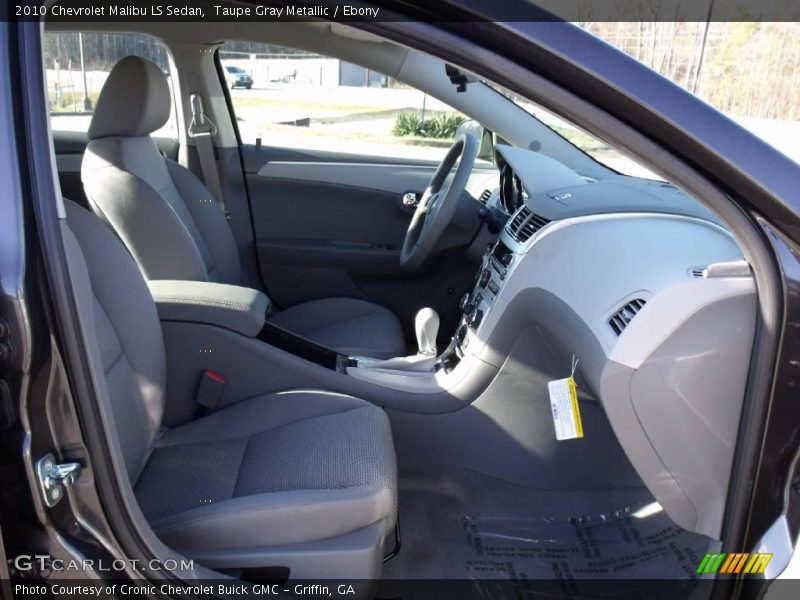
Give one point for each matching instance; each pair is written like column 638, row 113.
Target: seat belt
column 209, row 391
column 202, row 130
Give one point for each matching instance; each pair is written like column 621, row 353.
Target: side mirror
column 476, row 130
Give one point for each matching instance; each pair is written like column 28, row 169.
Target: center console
column 477, row 303
column 209, row 309
column 447, row 369
column 210, row 327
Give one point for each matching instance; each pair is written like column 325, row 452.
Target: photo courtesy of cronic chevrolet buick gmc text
column 435, row 307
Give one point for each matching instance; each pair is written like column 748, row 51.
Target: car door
column 332, row 155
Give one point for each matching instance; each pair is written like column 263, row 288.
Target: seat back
column 169, row 221
column 116, row 303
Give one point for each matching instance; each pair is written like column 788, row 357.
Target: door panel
column 330, row 215
column 256, row 156
column 387, row 177
column 330, row 224
column 335, row 202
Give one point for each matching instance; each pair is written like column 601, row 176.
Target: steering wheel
column 439, row 202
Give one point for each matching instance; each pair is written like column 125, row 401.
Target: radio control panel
column 494, row 269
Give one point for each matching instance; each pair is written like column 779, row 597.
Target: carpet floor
column 457, row 524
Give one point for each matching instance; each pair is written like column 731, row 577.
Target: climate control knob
column 475, row 317
column 465, row 302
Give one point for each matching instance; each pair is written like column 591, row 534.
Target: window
column 294, row 99
column 77, row 64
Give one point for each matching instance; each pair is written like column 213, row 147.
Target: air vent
column 698, row 272
column 484, row 197
column 620, row 319
column 524, row 224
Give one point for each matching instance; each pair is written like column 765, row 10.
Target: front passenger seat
column 175, row 230
column 303, row 479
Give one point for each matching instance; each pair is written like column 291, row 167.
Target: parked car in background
column 237, row 77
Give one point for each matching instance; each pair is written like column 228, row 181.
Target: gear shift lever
column 426, row 327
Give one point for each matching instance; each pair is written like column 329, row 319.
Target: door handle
column 410, row 199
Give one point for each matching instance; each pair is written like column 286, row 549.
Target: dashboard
column 621, row 240
column 645, row 288
column 554, row 191
column 633, row 285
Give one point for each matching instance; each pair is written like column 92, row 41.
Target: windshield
column 747, row 70
column 586, row 142
column 234, row 70
column 750, row 71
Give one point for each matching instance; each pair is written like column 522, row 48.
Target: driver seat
column 173, row 227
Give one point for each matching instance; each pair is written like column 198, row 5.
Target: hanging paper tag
column 564, row 406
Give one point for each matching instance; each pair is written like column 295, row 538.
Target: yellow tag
column 564, row 407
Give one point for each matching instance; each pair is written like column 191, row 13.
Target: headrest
column 134, row 101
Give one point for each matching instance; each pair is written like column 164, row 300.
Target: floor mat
column 458, row 524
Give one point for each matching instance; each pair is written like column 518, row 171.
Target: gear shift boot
column 426, row 327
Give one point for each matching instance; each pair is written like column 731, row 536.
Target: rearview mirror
column 479, row 132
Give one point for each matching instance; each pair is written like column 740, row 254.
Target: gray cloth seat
column 354, row 327
column 287, row 468
column 171, row 224
column 278, row 469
